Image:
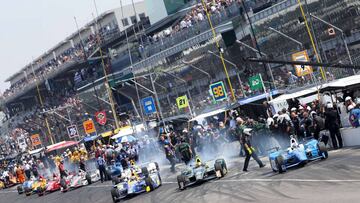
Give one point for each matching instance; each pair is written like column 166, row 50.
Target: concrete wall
column 156, row 10
column 128, row 12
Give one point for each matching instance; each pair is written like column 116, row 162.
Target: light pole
column 318, row 59
column 131, row 60
column 218, row 47
column 287, row 37
column 342, row 37
column 107, row 84
column 292, row 39
column 196, row 68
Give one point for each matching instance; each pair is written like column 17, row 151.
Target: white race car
column 81, row 179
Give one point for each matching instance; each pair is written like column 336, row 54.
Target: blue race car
column 297, row 155
column 136, row 180
column 26, row 187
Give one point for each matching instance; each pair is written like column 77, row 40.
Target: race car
column 81, row 179
column 136, row 180
column 297, row 154
column 7, row 181
column 38, row 184
column 50, row 186
column 26, row 187
column 198, row 171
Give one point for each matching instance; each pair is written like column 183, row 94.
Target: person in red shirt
column 62, row 169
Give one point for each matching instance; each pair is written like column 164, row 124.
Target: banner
column 72, row 131
column 256, row 82
column 89, row 127
column 302, row 70
column 218, row 91
column 148, row 104
column 182, row 102
column 35, row 140
column 101, row 117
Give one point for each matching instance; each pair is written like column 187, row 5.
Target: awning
column 302, row 93
column 211, row 113
column 128, row 130
column 127, row 138
column 90, row 138
column 343, row 83
column 257, row 97
column 106, row 134
column 60, row 145
column 36, row 151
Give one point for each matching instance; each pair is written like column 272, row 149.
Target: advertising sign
column 218, row 91
column 302, row 70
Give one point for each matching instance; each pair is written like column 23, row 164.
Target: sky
column 31, row 27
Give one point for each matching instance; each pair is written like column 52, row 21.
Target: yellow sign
column 35, row 140
column 89, row 127
column 182, row 102
column 303, row 57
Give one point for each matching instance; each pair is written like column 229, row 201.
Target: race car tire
column 323, row 150
column 20, row 189
column 145, row 172
column 108, row 175
column 63, row 185
column 28, row 191
column 273, row 167
column 88, row 178
column 115, row 195
column 279, row 164
column 160, row 179
column 115, row 180
column 303, row 163
column 181, row 179
column 40, row 191
column 157, row 166
column 149, row 183
column 220, row 165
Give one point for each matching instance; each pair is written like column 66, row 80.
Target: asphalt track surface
column 336, row 179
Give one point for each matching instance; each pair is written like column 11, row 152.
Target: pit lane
column 336, row 179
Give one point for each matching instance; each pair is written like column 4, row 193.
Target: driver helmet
column 247, row 131
column 329, row 105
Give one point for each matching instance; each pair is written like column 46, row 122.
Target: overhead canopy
column 36, row 151
column 339, row 84
column 256, row 98
column 128, row 130
column 343, row 83
column 106, row 134
column 211, row 113
column 60, row 145
column 127, row 138
column 90, row 138
column 301, row 93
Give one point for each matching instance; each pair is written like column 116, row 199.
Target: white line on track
column 8, row 191
column 280, row 180
column 289, row 180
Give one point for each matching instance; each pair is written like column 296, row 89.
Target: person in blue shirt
column 354, row 116
column 101, row 165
